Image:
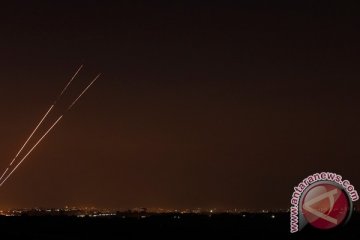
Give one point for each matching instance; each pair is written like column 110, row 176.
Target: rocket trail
column 47, row 113
column 48, row 131
column 92, row 82
column 36, row 128
column 4, row 173
column 38, row 142
column 67, row 85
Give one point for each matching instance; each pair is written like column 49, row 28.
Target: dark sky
column 200, row 104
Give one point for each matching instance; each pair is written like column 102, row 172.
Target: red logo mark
column 325, row 206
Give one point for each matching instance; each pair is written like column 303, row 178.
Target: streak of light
column 37, row 143
column 4, row 174
column 48, row 131
column 92, row 82
column 67, row 85
column 47, row 113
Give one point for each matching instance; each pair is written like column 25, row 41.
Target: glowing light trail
column 41, row 121
column 37, row 143
column 48, row 131
column 73, row 77
column 36, row 128
column 47, row 113
column 92, row 82
column 4, row 173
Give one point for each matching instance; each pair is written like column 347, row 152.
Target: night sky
column 199, row 104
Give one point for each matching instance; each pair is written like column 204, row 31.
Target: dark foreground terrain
column 170, row 226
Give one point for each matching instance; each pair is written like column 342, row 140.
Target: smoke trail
column 37, row 143
column 92, row 82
